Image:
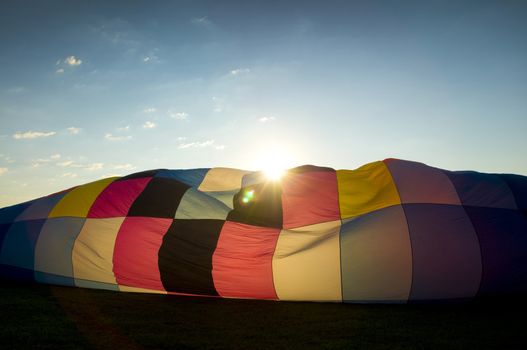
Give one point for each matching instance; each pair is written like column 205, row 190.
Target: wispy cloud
column 3, row 171
column 219, row 147
column 42, row 161
column 266, row 119
column 73, row 130
column 66, row 163
column 124, row 128
column 177, row 115
column 89, row 167
column 7, row 159
column 126, row 166
column 150, row 58
column 94, row 166
column 201, row 21
column 149, row 110
column 240, row 71
column 32, row 134
column 196, row 144
column 149, row 125
column 70, row 175
column 59, row 71
column 72, row 61
column 111, row 137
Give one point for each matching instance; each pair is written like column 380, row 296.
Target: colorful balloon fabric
column 390, row 231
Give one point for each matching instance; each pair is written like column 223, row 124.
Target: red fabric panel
column 242, row 262
column 136, row 252
column 117, row 198
column 309, row 198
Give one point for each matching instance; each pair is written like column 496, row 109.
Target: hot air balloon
column 390, row 231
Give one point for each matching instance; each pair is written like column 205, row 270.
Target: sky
column 90, row 89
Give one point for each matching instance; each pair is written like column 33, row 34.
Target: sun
column 273, row 162
column 274, row 172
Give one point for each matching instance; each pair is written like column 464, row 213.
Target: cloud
column 59, row 71
column 219, row 147
column 3, row 171
column 7, row 159
column 196, row 144
column 72, row 61
column 178, row 115
column 66, row 163
column 124, row 128
column 149, row 125
column 150, row 58
column 73, row 130
column 70, row 175
column 201, row 21
column 124, row 167
column 149, row 110
column 94, row 166
column 32, row 134
column 42, row 161
column 239, row 71
column 266, row 119
column 111, row 137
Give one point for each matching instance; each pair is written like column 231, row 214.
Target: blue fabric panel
column 19, row 244
column 3, row 231
column 49, row 278
column 482, row 190
column 191, row 177
column 445, row 251
column 503, row 239
column 16, row 273
column 41, row 207
column 9, row 214
column 518, row 186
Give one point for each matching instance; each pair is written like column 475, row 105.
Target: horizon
column 101, row 89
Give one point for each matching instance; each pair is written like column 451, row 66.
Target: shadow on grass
column 39, row 316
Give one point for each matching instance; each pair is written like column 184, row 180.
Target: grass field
column 38, row 316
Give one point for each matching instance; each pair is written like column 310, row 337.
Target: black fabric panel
column 264, row 208
column 185, row 257
column 159, row 199
column 147, row 173
column 15, row 273
column 502, row 237
column 518, row 186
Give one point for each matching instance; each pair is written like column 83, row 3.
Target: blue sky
column 92, row 89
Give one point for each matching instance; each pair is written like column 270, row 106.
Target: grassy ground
column 37, row 316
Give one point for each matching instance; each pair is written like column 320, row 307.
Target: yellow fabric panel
column 93, row 250
column 365, row 189
column 222, row 179
column 306, row 263
column 79, row 200
column 140, row 290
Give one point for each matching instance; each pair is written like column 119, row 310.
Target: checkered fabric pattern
column 390, row 231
